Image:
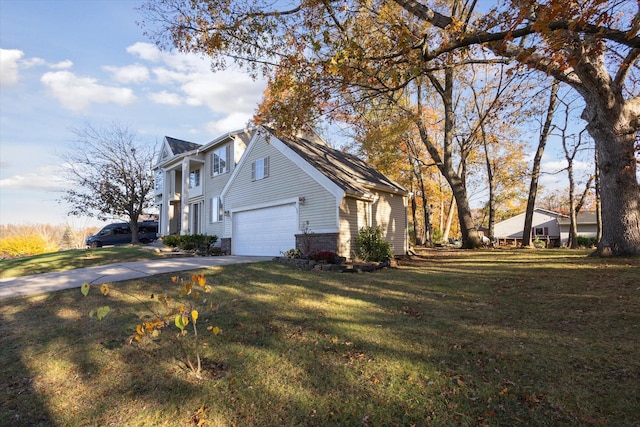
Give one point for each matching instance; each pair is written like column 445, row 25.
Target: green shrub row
column 199, row 243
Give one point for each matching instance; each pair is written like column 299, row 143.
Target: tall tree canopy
column 325, row 56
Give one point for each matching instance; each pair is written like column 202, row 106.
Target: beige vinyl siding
column 354, row 214
column 389, row 212
column 286, row 181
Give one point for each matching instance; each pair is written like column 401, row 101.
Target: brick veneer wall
column 225, row 245
column 317, row 242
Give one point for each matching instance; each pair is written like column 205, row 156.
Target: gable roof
column 586, row 217
column 345, row 170
column 178, row 146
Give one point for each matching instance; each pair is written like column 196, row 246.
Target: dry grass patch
column 469, row 338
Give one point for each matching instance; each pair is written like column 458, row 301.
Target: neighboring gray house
column 551, row 227
column 587, row 224
column 543, row 227
column 263, row 195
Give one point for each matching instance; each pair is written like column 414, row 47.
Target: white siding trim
column 266, row 205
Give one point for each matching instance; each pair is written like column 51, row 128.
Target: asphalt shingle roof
column 179, row 146
column 349, row 172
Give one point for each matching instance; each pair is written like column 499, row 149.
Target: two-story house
column 263, row 195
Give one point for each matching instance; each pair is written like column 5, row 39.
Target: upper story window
column 194, row 178
column 219, row 160
column 260, row 169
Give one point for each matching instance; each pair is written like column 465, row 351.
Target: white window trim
column 260, row 169
column 220, row 153
column 216, row 213
column 198, row 176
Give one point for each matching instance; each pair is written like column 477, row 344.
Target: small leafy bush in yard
column 586, row 242
column 325, row 256
column 371, row 245
column 180, row 307
column 172, row 240
column 292, row 253
column 539, row 243
column 199, row 243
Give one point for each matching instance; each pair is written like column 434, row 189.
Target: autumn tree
column 391, row 145
column 323, row 55
column 109, row 174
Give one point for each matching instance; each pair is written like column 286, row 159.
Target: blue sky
column 65, row 63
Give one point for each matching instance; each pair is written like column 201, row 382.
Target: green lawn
column 497, row 338
column 69, row 260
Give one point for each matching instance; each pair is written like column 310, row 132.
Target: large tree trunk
column 619, row 190
column 613, row 123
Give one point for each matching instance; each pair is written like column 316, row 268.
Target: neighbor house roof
column 179, row 146
column 587, row 217
column 347, row 171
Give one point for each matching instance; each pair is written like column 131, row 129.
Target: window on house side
column 216, row 213
column 260, row 169
column 219, row 161
column 194, row 178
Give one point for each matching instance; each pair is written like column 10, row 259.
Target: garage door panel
column 264, row 232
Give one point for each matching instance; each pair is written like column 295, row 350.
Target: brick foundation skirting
column 317, row 242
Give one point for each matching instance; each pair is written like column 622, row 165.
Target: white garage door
column 264, row 232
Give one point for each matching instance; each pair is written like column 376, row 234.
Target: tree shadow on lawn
column 446, row 343
column 61, row 367
column 492, row 351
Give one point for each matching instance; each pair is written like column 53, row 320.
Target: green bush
column 199, row 243
column 172, row 240
column 371, row 245
column 587, row 242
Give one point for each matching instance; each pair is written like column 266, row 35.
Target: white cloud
column 559, row 166
column 9, row 59
column 146, row 51
column 188, row 80
column 77, row 93
column 553, row 166
column 44, row 178
column 62, row 65
column 166, row 98
column 33, row 62
column 165, row 76
column 231, row 122
column 135, row 73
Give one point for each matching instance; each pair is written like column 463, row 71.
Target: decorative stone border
column 308, row 264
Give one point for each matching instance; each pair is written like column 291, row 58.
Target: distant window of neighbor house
column 260, row 169
column 219, row 161
column 541, row 231
column 194, row 178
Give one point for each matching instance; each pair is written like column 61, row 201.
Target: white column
column 184, row 198
column 164, row 209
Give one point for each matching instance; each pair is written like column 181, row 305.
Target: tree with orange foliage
column 323, row 55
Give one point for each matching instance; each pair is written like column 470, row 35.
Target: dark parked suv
column 120, row 234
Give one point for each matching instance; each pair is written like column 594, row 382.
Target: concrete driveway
column 49, row 282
